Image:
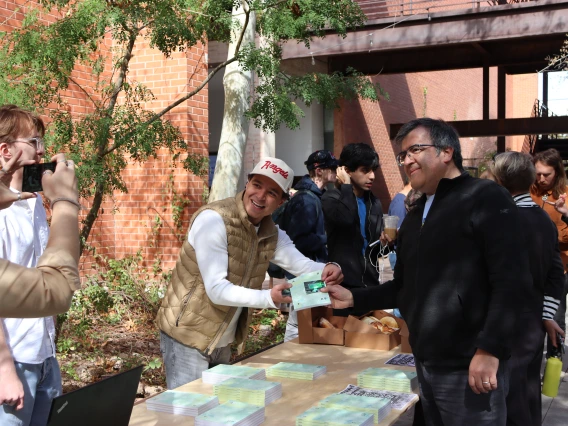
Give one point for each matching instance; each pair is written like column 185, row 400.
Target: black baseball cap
column 322, row 159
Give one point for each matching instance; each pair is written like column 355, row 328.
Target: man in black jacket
column 460, row 267
column 303, row 218
column 516, row 172
column 353, row 217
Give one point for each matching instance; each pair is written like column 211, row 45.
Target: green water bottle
column 552, row 377
column 553, row 369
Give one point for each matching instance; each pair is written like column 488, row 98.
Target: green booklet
column 257, row 392
column 232, row 413
column 223, row 372
column 184, row 403
column 296, row 371
column 323, row 416
column 389, row 379
column 306, row 292
column 378, row 407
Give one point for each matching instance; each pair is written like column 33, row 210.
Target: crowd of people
column 479, row 274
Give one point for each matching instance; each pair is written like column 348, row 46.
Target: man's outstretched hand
column 341, row 298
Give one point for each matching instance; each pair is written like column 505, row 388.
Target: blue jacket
column 303, row 221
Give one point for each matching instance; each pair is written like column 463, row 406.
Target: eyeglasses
column 410, row 152
column 37, row 143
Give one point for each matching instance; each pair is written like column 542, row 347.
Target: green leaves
column 276, row 96
column 304, row 19
column 38, row 61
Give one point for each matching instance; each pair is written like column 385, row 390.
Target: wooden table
column 343, row 364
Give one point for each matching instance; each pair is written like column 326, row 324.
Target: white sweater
column 208, row 237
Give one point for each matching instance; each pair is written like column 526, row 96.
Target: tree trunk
column 237, row 84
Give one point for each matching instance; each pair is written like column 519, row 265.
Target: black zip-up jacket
column 344, row 239
column 458, row 276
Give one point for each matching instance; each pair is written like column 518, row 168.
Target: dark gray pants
column 447, row 399
column 185, row 364
column 524, row 403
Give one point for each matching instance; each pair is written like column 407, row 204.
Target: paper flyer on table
column 399, row 400
column 306, row 292
column 406, row 360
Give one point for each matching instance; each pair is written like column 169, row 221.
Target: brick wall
column 448, row 95
column 143, row 219
column 126, row 221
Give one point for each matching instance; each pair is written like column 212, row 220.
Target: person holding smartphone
column 28, row 367
column 48, row 288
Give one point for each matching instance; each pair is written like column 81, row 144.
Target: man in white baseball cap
column 220, row 272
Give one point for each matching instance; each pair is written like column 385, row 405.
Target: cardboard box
column 361, row 335
column 404, row 333
column 310, row 332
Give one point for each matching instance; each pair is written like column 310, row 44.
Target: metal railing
column 377, row 9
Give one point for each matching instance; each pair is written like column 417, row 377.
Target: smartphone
column 33, row 174
column 286, row 292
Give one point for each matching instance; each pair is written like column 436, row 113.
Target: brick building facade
column 143, row 219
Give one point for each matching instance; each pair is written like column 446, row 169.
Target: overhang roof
column 518, row 37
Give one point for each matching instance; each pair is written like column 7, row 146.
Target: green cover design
column 182, row 399
column 229, row 413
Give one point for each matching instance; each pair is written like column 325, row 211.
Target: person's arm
column 494, row 216
column 302, row 222
column 11, row 388
column 47, row 290
column 553, row 292
column 60, row 188
column 562, row 208
column 339, row 206
column 554, row 284
column 208, row 237
column 289, row 258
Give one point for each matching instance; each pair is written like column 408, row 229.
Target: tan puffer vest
column 187, row 314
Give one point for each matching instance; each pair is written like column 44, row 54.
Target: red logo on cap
column 275, row 169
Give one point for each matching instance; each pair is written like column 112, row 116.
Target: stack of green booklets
column 256, row 392
column 296, row 371
column 222, row 372
column 323, row 416
column 388, row 379
column 184, row 403
column 232, row 413
column 378, row 407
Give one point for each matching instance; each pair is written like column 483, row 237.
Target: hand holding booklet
column 306, row 292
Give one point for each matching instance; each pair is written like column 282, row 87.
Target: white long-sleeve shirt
column 23, row 236
column 208, row 237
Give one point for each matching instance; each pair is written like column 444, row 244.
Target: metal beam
column 504, row 127
column 501, row 104
column 529, row 19
column 518, row 56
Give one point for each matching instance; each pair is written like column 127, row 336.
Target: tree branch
column 176, row 103
column 84, row 91
column 198, row 89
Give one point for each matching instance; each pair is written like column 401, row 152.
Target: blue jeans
column 447, row 399
column 185, row 364
column 42, row 383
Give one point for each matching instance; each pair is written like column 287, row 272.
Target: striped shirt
column 550, row 303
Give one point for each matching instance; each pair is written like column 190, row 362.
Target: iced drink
column 390, row 226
